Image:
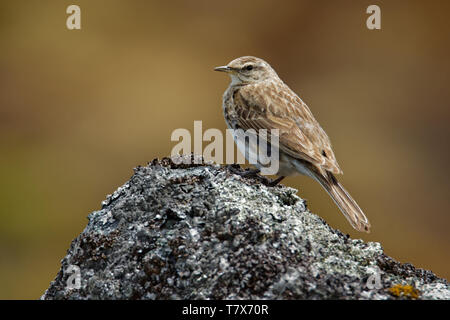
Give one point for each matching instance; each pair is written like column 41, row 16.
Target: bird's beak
column 223, row 69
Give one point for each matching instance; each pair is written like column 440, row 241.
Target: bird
column 257, row 98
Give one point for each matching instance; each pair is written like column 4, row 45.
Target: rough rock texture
column 203, row 232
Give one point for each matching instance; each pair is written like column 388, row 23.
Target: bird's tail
column 344, row 201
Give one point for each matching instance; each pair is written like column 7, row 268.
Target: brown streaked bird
column 258, row 99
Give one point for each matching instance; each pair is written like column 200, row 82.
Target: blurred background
column 80, row 109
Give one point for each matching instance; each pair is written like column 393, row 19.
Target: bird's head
column 245, row 70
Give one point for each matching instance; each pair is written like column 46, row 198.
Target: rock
column 201, row 231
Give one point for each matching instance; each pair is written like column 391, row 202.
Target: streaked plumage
column 258, row 99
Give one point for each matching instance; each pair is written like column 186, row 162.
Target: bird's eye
column 249, row 67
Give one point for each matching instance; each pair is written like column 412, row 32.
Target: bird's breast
column 228, row 106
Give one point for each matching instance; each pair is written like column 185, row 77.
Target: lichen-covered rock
column 203, row 232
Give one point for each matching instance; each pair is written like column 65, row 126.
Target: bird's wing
column 272, row 105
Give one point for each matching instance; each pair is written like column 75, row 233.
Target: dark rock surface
column 203, row 232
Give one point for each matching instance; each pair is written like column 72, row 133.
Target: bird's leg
column 273, row 183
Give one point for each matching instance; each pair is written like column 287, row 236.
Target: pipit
column 258, row 99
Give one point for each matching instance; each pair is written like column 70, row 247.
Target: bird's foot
column 273, row 183
column 246, row 174
column 253, row 173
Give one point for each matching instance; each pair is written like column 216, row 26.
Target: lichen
column 408, row 291
column 180, row 231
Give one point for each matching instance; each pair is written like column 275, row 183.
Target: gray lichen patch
column 180, row 231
